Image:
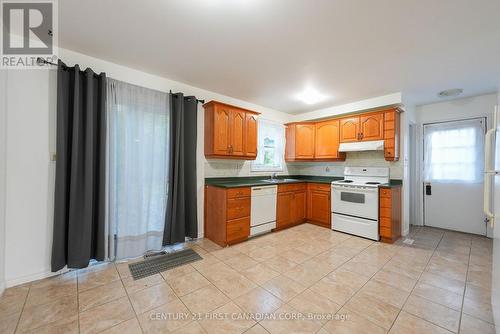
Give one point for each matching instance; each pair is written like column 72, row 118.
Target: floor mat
column 157, row 264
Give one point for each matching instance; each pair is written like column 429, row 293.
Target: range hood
column 374, row 145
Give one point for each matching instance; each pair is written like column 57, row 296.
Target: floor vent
column 158, row 263
column 408, row 241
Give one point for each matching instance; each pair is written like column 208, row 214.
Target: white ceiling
column 268, row 51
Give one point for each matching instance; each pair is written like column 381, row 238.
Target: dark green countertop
column 251, row 181
column 392, row 184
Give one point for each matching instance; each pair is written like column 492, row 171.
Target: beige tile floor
column 306, row 279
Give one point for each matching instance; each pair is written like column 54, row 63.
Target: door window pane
column 454, row 151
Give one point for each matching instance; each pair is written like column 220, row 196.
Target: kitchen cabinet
column 227, row 214
column 371, row 127
column 251, row 135
column 327, row 140
column 230, row 132
column 349, row 129
column 391, row 134
column 299, row 141
column 390, row 213
column 318, row 204
column 364, row 127
column 313, row 141
column 291, row 205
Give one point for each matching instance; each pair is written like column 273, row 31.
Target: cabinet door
column 327, row 140
column 284, row 209
column 318, row 206
column 251, row 135
column 222, row 133
column 349, row 129
column 238, row 120
column 304, row 141
column 372, row 127
column 298, row 206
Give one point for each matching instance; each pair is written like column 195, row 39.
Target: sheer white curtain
column 138, row 129
column 454, row 151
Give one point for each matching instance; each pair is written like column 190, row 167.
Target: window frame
column 279, row 149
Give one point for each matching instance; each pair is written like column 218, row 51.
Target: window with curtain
column 454, row 151
column 137, row 181
column 271, row 138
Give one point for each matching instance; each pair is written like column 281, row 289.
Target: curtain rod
column 201, row 101
column 40, row 61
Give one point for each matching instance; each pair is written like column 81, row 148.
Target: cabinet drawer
column 238, row 192
column 238, row 208
column 385, row 213
column 238, row 229
column 385, row 222
column 384, row 192
column 385, row 202
column 319, row 187
column 385, row 232
column 291, row 187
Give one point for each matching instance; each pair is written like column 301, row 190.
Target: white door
column 453, row 175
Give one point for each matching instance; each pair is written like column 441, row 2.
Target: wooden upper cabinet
column 230, row 132
column 221, row 140
column 391, row 135
column 327, row 140
column 251, row 135
column 371, row 127
column 304, row 141
column 299, row 141
column 349, row 129
column 238, row 132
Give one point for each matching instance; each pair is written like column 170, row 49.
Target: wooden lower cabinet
column 318, row 204
column 390, row 214
column 291, row 205
column 227, row 214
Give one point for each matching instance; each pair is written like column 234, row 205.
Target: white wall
column 477, row 106
column 3, row 158
column 372, row 103
column 31, row 141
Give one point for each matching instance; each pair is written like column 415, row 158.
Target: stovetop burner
column 372, row 183
column 346, row 181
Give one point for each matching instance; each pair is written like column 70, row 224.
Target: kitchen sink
column 280, row 180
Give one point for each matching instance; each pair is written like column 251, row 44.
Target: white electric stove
column 354, row 201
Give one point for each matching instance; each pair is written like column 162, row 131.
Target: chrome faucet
column 273, row 176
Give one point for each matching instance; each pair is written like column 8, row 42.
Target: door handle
column 428, row 189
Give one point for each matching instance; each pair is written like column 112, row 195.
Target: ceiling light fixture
column 311, row 96
column 451, row 92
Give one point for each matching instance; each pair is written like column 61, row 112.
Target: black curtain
column 79, row 228
column 181, row 213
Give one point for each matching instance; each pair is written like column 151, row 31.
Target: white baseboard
column 33, row 277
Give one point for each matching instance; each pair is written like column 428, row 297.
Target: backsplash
column 233, row 168
column 355, row 159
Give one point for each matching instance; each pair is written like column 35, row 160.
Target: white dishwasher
column 263, row 209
